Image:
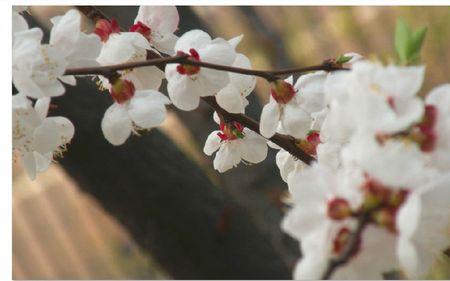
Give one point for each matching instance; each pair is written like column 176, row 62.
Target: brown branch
column 351, row 247
column 284, row 141
column 269, row 75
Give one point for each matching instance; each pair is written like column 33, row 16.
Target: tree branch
column 161, row 62
column 284, row 141
column 351, row 248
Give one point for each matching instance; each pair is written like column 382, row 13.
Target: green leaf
column 402, row 39
column 343, row 59
column 417, row 39
column 408, row 43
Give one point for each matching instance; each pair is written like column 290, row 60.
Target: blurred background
column 154, row 208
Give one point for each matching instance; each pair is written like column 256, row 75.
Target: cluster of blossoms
column 381, row 152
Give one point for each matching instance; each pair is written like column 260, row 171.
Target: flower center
column 338, row 209
column 142, row 29
column 383, row 202
column 423, row 133
column 309, row 145
column 186, row 69
column 122, row 91
column 282, row 91
column 104, row 28
column 231, row 131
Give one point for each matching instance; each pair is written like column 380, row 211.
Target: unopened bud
column 282, row 91
column 338, row 209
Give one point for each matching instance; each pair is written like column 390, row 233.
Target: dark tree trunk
column 194, row 229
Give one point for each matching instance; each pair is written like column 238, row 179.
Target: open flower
column 187, row 83
column 293, row 106
column 36, row 68
column 36, row 137
column 78, row 48
column 128, row 47
column 157, row 24
column 423, row 225
column 439, row 132
column 235, row 144
column 233, row 98
column 132, row 111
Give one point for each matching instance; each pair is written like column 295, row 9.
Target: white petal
column 295, row 121
column 183, row 91
column 212, row 143
column 310, row 267
column 285, row 163
column 311, row 92
column 68, row 79
column 145, row 78
column 162, row 19
column 41, row 107
column 236, row 40
column 146, row 110
column 46, row 137
column 244, row 83
column 227, row 157
column 65, row 30
column 121, row 47
column 18, row 23
column 219, row 51
column 85, row 51
column 270, row 116
column 166, row 43
column 66, row 130
column 116, row 124
column 42, row 161
column 253, row 147
column 195, row 39
column 230, row 99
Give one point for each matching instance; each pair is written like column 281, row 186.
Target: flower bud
column 104, row 28
column 340, row 242
column 282, row 91
column 122, row 90
column 385, row 217
column 338, row 209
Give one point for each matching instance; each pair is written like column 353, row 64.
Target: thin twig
column 153, row 59
column 269, row 75
column 351, row 247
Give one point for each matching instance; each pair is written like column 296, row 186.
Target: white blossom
column 36, row 137
column 144, row 110
column 128, row 47
column 439, row 97
column 157, row 24
column 187, row 83
column 37, row 68
column 293, row 106
column 234, row 144
column 424, row 227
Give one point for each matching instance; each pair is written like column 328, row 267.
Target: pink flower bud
column 282, row 91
